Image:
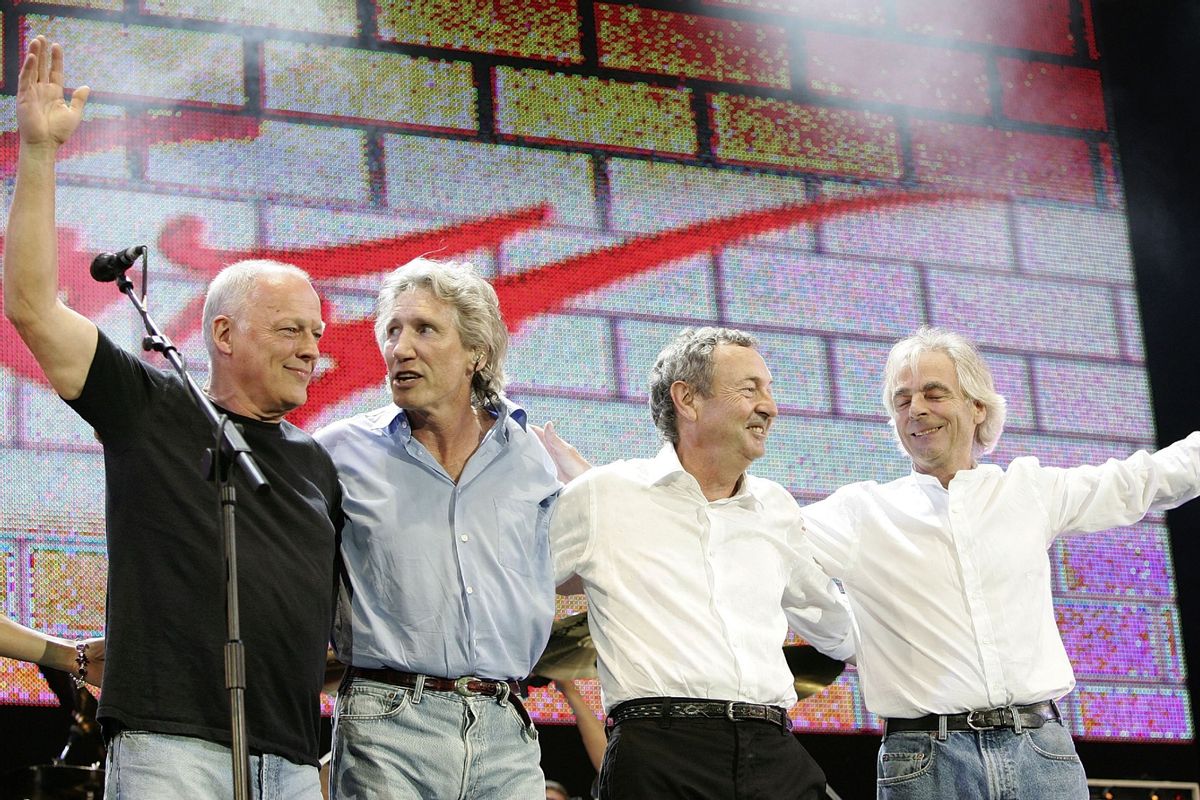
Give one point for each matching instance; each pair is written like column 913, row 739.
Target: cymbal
column 569, row 654
column 53, row 782
column 812, row 669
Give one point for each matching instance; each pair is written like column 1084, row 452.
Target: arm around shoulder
column 571, row 529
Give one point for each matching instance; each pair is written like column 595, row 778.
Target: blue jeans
column 148, row 766
column 1035, row 764
column 393, row 743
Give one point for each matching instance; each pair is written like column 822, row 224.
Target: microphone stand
column 231, row 443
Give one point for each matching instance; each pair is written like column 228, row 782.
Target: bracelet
column 79, row 675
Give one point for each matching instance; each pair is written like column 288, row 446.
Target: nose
column 307, row 348
column 917, row 407
column 767, row 406
column 400, row 346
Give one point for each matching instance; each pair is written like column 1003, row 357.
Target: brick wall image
column 826, row 174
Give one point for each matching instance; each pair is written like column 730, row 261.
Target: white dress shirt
column 950, row 588
column 692, row 598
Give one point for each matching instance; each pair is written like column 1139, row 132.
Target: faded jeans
column 1035, row 764
column 391, row 743
column 149, row 766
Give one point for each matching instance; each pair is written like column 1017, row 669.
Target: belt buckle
column 460, row 686
column 971, row 717
column 729, row 711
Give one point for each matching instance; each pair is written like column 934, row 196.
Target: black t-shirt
column 166, row 630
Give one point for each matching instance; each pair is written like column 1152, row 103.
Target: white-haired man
column 947, row 574
column 164, row 707
column 694, row 570
column 448, row 595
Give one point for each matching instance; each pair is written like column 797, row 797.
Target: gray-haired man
column 448, row 596
column 694, row 570
column 170, row 726
column 947, row 574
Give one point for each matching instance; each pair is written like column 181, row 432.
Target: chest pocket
column 517, row 539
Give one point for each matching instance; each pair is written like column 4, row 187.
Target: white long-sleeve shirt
column 692, row 598
column 950, row 588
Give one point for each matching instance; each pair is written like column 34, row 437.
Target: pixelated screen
column 826, row 174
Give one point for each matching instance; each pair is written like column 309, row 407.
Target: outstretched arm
column 26, row 644
column 62, row 341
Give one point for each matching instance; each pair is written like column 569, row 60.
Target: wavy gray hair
column 974, row 378
column 476, row 315
column 688, row 358
column 230, row 290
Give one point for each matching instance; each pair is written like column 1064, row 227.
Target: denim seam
column 1067, row 757
column 899, row 779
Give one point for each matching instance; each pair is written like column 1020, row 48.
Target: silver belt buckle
column 460, row 686
column 729, row 711
column 971, row 717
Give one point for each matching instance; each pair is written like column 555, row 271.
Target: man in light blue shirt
column 447, row 594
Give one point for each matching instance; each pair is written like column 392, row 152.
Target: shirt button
column 470, row 590
column 465, row 538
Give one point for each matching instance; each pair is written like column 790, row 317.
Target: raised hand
column 44, row 118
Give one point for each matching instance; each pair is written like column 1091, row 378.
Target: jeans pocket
column 365, row 701
column 904, row 757
column 1052, row 741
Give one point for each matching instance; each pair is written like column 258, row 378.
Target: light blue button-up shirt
column 443, row 579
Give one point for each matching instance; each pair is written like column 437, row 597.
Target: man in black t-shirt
column 164, row 706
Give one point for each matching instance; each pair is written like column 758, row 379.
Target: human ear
column 684, row 398
column 222, row 330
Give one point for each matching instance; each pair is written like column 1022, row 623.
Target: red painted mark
column 100, row 135
column 549, row 288
column 76, row 288
column 182, row 241
column 538, row 291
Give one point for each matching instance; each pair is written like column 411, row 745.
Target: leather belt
column 467, row 686
column 1031, row 716
column 688, row 708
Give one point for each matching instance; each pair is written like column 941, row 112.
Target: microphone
column 107, row 267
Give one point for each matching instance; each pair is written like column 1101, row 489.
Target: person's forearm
column 26, row 644
column 31, row 241
column 59, row 654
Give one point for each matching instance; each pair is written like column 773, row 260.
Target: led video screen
column 825, row 174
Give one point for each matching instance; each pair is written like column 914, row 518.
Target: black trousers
column 707, row 759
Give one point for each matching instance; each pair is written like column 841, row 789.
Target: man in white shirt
column 693, row 571
column 948, row 578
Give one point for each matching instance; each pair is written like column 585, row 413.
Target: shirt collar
column 392, row 419
column 665, row 469
column 963, row 475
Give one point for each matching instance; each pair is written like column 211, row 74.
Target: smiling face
column 268, row 351
column 732, row 421
column 934, row 420
column 429, row 368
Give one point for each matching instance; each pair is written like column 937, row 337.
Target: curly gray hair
column 974, row 378
column 476, row 315
column 688, row 358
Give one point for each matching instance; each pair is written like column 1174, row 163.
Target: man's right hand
column 44, row 118
column 62, row 341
